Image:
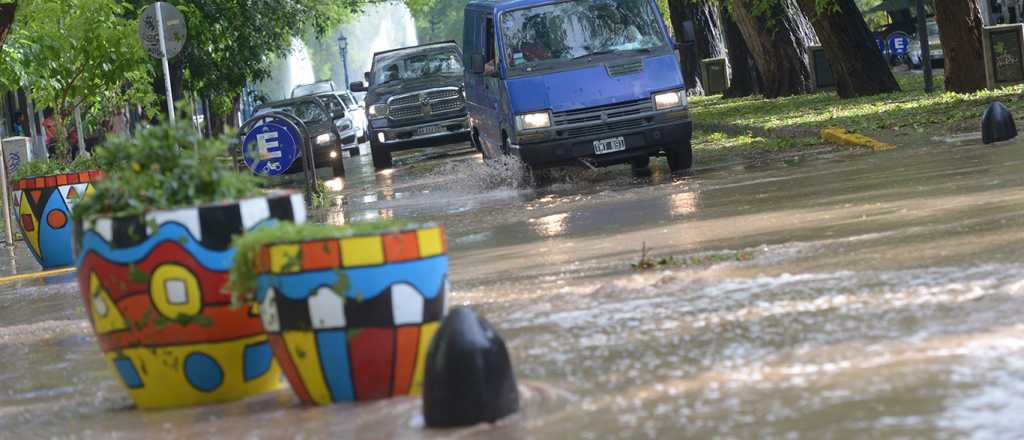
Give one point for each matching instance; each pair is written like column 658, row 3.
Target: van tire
column 381, row 156
column 474, row 140
column 680, row 157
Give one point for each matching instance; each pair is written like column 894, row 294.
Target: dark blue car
column 591, row 82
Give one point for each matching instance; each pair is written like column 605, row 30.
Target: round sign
column 271, row 147
column 175, row 31
column 899, row 43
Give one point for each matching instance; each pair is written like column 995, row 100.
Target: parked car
column 316, row 88
column 414, row 99
column 321, row 125
column 934, row 45
column 356, row 112
column 344, row 120
column 578, row 82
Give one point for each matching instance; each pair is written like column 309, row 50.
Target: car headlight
column 379, row 110
column 533, row 121
column 667, row 100
column 324, row 138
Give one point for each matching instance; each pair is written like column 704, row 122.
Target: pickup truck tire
column 680, row 157
column 641, row 166
column 381, row 156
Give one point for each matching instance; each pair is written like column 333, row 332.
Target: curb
column 841, row 136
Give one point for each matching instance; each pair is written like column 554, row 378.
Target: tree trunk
column 777, row 39
column 708, row 42
column 6, row 20
column 857, row 64
column 960, row 25
column 743, row 82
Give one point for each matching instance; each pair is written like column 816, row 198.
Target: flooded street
column 836, row 295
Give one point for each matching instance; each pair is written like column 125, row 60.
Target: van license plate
column 605, row 146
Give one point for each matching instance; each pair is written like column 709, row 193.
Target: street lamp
column 343, row 51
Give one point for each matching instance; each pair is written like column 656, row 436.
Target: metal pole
column 926, row 55
column 31, row 121
column 163, row 60
column 8, row 232
column 78, row 128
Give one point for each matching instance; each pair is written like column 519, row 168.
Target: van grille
column 425, row 103
column 594, row 115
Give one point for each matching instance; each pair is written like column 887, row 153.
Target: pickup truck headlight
column 378, row 110
column 533, row 121
column 667, row 100
column 325, row 138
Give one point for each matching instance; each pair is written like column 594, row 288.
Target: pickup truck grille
column 593, row 116
column 425, row 103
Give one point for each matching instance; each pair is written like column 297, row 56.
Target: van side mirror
column 358, row 86
column 476, row 64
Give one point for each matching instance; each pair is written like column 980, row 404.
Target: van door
column 490, row 92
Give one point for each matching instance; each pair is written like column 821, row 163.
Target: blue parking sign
column 271, row 147
column 899, row 43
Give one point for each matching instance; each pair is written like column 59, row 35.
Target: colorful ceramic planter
column 352, row 318
column 152, row 287
column 43, row 207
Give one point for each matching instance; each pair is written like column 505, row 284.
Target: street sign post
column 163, row 33
column 271, row 147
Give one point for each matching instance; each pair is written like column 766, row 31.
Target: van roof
column 504, row 5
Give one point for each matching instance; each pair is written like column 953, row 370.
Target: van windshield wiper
column 609, row 51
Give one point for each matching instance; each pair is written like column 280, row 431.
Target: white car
column 356, row 112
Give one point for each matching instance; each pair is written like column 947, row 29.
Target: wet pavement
column 837, row 295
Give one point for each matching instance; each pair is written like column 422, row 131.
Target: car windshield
column 307, row 111
column 417, row 65
column 312, row 89
column 555, row 33
column 347, row 99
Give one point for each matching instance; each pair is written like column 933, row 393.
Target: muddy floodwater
column 837, row 295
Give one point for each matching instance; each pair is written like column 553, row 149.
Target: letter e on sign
column 265, row 142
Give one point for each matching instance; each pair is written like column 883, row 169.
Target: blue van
column 563, row 82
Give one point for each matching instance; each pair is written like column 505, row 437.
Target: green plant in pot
column 44, row 194
column 153, row 253
column 350, row 311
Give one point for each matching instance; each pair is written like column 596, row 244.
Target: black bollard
column 997, row 124
column 468, row 378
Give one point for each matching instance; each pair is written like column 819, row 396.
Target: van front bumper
column 649, row 140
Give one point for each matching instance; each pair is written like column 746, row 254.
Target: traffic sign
column 174, row 30
column 271, row 146
column 899, row 43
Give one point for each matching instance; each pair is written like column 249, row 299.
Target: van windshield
column 418, row 65
column 561, row 32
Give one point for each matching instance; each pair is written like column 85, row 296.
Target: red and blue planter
column 43, row 208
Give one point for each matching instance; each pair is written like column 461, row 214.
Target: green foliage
column 242, row 278
column 164, row 167
column 43, row 167
column 76, row 53
column 911, row 110
column 438, row 20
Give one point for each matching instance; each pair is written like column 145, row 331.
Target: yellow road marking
column 28, row 276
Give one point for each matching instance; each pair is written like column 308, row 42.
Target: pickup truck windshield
column 416, row 66
column 553, row 34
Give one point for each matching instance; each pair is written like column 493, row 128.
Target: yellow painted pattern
column 105, row 315
column 304, row 353
column 362, row 251
column 165, row 386
column 430, row 242
column 426, row 335
column 284, row 258
column 32, row 237
column 173, row 306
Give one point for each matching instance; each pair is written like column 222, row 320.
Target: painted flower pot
column 43, row 207
column 351, row 319
column 153, row 289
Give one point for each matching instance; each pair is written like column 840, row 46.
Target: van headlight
column 378, row 110
column 533, row 121
column 667, row 100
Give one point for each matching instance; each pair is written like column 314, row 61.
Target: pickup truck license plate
column 605, row 146
column 429, row 130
